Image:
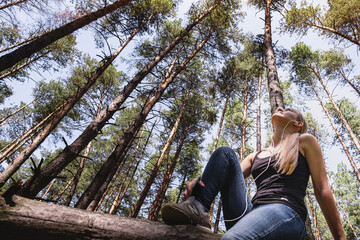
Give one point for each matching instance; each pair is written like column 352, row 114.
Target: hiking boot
column 189, row 212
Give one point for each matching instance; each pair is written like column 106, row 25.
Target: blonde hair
column 287, row 152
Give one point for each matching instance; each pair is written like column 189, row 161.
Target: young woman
column 281, row 173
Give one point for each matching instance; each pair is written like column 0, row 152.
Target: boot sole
column 175, row 216
column 172, row 215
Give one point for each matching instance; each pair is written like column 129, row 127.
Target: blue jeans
column 271, row 221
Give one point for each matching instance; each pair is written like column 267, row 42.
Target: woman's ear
column 298, row 123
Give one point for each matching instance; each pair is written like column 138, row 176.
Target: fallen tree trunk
column 22, row 218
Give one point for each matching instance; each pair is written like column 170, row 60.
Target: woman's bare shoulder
column 308, row 143
column 307, row 138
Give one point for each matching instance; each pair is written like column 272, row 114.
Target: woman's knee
column 225, row 153
column 224, row 150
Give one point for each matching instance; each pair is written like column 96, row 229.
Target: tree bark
column 348, row 81
column 91, row 195
column 338, row 111
column 182, row 186
column 103, row 177
column 243, row 122
column 221, row 121
column 29, row 49
column 36, row 183
column 18, row 110
column 11, row 169
column 65, row 108
column 11, row 4
column 334, row 31
column 258, row 114
column 217, row 219
column 314, row 215
column 156, row 168
column 275, row 94
column 77, row 176
column 14, row 70
column 30, row 220
column 346, row 150
column 155, row 208
column 116, row 202
column 135, row 169
column 217, row 140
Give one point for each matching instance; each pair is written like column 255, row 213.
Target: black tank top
column 274, row 187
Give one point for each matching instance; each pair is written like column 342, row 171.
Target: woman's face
column 281, row 118
column 285, row 114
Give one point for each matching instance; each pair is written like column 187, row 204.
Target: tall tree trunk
column 62, row 113
column 16, row 145
column 275, row 94
column 155, row 208
column 18, row 110
column 346, row 150
column 344, row 210
column 48, row 189
column 243, row 122
column 83, row 159
column 29, row 49
column 36, row 183
column 115, row 202
column 106, row 193
column 108, row 188
column 156, row 168
column 314, row 215
column 64, row 189
column 103, row 177
column 334, row 31
column 134, row 171
column 77, row 176
column 182, row 186
column 217, row 139
column 348, row 81
column 11, row 4
column 338, row 111
column 221, row 121
column 218, row 214
column 14, row 70
column 258, row 114
column 38, row 127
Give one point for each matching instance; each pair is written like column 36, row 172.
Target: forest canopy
column 113, row 106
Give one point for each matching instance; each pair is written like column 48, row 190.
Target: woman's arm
column 312, row 151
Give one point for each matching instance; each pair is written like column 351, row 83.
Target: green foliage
column 297, row 16
column 339, row 19
column 301, row 61
column 351, row 114
column 122, row 22
column 9, row 34
column 260, row 4
column 346, row 189
column 334, row 60
column 5, row 91
column 314, row 127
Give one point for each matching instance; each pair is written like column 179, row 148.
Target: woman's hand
column 190, row 186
